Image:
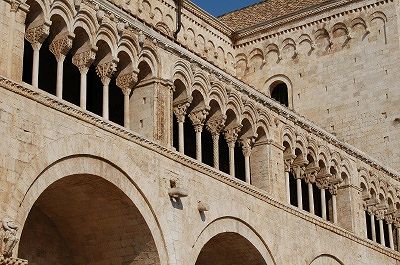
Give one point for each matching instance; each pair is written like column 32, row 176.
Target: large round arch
column 85, row 219
column 231, row 241
column 326, row 259
column 78, row 155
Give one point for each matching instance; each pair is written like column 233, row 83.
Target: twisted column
column 60, row 47
column 215, row 126
column 36, row 37
column 231, row 136
column 198, row 118
column 180, row 113
column 83, row 60
column 105, row 70
column 126, row 82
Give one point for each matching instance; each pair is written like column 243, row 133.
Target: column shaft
column 126, row 111
column 232, row 159
column 372, row 217
column 181, row 137
column 215, row 138
column 311, row 198
column 83, row 92
column 105, row 101
column 35, row 67
column 323, row 204
column 334, row 209
column 198, row 146
column 287, row 177
column 247, row 169
column 299, row 194
column 60, row 70
column 381, row 232
column 391, row 243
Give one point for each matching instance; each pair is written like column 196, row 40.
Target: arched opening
column 279, row 92
column 229, row 248
column 84, row 219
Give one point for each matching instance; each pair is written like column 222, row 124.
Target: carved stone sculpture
column 8, row 237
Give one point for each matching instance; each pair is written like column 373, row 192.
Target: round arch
column 82, row 154
column 326, row 259
column 280, row 79
column 233, row 228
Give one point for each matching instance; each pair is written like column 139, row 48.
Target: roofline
column 208, row 18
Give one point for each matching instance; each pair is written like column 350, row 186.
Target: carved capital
column 333, row 189
column 310, row 177
column 127, row 81
column 84, row 59
column 380, row 214
column 198, row 118
column 246, row 146
column 106, row 70
column 232, row 134
column 389, row 218
column 60, row 46
column 180, row 111
column 215, row 125
column 322, row 183
column 37, row 35
column 8, row 237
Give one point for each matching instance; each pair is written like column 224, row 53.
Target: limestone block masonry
column 122, row 145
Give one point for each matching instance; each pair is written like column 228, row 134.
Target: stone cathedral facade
column 148, row 132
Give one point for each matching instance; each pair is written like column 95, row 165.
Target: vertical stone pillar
column 214, row 126
column 83, row 60
column 126, row 81
column 36, row 36
column 60, row 47
column 180, row 113
column 372, row 222
column 323, row 204
column 310, row 179
column 231, row 136
column 246, row 149
column 380, row 215
column 105, row 70
column 396, row 224
column 299, row 174
column 389, row 219
column 333, row 189
column 288, row 160
column 198, row 118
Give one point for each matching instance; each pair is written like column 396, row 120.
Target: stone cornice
column 69, row 109
column 302, row 14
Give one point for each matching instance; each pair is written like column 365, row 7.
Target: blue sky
column 219, row 7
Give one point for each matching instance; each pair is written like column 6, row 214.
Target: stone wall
column 341, row 70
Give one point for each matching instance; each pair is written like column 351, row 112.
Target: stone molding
column 74, row 111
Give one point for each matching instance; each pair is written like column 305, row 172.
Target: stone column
column 180, row 113
column 372, row 221
column 83, row 60
column 288, row 160
column 60, row 47
column 36, row 37
column 231, row 136
column 126, row 81
column 333, row 189
column 298, row 173
column 105, row 70
column 380, row 215
column 198, row 118
column 322, row 184
column 396, row 224
column 310, row 179
column 246, row 149
column 215, row 126
column 389, row 219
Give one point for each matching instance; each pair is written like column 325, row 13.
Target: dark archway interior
column 239, row 163
column 229, row 249
column 279, row 92
column 84, row 219
column 293, row 189
column 27, row 62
